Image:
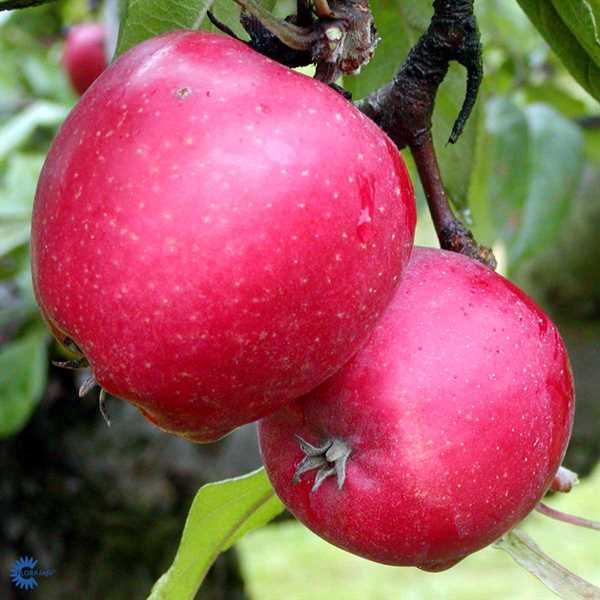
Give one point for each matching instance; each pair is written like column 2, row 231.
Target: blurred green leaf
column 592, row 144
column 480, row 217
column 560, row 99
column 537, row 161
column 18, row 129
column 16, row 200
column 578, row 57
column 144, row 19
column 19, row 183
column 220, row 515
column 582, row 17
column 13, row 233
column 23, row 371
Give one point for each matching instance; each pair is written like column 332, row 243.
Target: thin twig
column 567, row 518
column 298, row 38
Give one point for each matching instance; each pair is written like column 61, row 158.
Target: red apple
column 443, row 432
column 84, row 55
column 218, row 234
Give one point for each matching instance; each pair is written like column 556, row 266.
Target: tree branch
column 340, row 41
column 14, row 4
column 403, row 109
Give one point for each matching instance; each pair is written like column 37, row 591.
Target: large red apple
column 443, row 432
column 216, row 233
column 84, row 55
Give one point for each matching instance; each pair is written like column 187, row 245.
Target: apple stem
column 451, row 232
column 566, row 517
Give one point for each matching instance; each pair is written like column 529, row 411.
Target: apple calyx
column 329, row 458
column 73, row 364
column 86, row 387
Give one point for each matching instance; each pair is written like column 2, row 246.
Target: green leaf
column 144, row 19
column 23, row 371
column 538, row 156
column 582, row 17
column 526, row 553
column 18, row 129
column 578, row 57
column 220, row 515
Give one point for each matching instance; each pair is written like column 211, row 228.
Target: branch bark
column 14, row 4
column 404, row 107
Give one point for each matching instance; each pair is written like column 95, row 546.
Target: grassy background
column 286, row 561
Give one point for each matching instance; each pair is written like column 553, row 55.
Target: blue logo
column 23, row 573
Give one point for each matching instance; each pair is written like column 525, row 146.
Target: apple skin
column 84, row 55
column 458, row 411
column 216, row 233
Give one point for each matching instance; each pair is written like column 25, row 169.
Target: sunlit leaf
column 575, row 56
column 144, row 19
column 582, row 17
column 220, row 515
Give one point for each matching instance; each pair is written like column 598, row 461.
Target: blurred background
column 104, row 507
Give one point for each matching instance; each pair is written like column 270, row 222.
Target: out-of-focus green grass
column 287, row 562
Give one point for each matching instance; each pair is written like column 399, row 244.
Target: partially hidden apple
column 84, row 54
column 216, row 233
column 442, row 433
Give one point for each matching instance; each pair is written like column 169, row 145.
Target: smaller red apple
column 84, row 55
column 443, row 432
